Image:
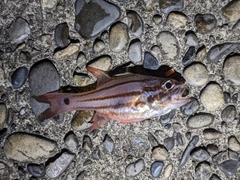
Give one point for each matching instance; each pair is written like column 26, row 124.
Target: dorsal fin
column 99, row 74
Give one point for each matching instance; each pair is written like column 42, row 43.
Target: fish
column 127, row 99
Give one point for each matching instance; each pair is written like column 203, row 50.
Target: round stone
column 71, row 142
column 25, row 147
column 191, row 107
column 212, row 97
column 168, row 5
column 203, row 171
column 211, row 134
column 199, row 155
column 229, row 113
column 103, row 63
column 191, row 39
column 136, row 23
column 156, row 168
column 19, row 77
column 19, row 30
column 81, row 120
column 231, row 11
column 205, row 22
column 118, row 38
column 61, row 35
column 177, row 20
column 168, row 45
column 108, row 144
column 200, row 120
column 98, row 46
column 150, row 62
column 231, row 69
column 234, row 144
column 160, row 153
column 168, row 171
column 3, row 115
column 70, row 52
column 135, row 51
column 196, row 74
column 135, row 168
column 37, row 170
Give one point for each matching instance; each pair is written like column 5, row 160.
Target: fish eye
column 168, row 85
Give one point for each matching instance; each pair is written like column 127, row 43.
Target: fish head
column 169, row 96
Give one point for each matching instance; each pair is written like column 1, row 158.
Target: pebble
column 118, row 37
column 177, row 20
column 19, row 30
column 220, row 51
column 212, row 97
column 168, row 171
column 81, row 79
column 169, row 143
column 96, row 153
column 212, row 149
column 205, row 22
column 185, row 156
column 189, row 56
column 135, row 168
column 59, row 165
column 71, row 142
column 43, row 42
column 108, row 144
column 3, row 115
column 160, row 153
column 214, row 177
column 190, row 108
column 100, row 15
column 19, row 77
column 48, row 4
column 231, row 69
column 156, row 168
column 61, row 35
column 37, row 170
column 191, row 39
column 135, row 51
column 201, row 54
column 40, row 84
column 25, row 147
column 167, row 6
column 80, row 121
column 203, row 171
column 136, row 23
column 211, row 134
column 150, row 62
column 98, row 46
column 87, row 143
column 230, row 11
column 200, row 120
column 199, row 154
column 196, row 74
column 103, row 63
column 168, row 45
column 157, row 19
column 179, row 139
column 229, row 113
column 166, row 118
column 25, row 57
column 4, row 171
column 229, row 167
column 68, row 53
column 3, row 133
column 153, row 141
column 234, row 144
column 236, row 28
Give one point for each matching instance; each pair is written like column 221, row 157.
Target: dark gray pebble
column 19, row 77
column 156, row 168
column 191, row 107
column 169, row 143
column 96, row 153
column 179, row 139
column 187, row 151
column 108, row 144
column 199, row 154
column 37, row 170
column 229, row 167
column 152, row 140
column 61, row 35
column 150, row 62
column 229, row 113
column 167, row 117
column 189, row 56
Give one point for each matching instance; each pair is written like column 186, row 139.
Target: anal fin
column 98, row 120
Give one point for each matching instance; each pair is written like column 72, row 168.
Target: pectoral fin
column 98, row 120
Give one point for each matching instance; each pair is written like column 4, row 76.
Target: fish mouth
column 179, row 98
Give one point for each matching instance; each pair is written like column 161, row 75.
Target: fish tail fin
column 59, row 103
